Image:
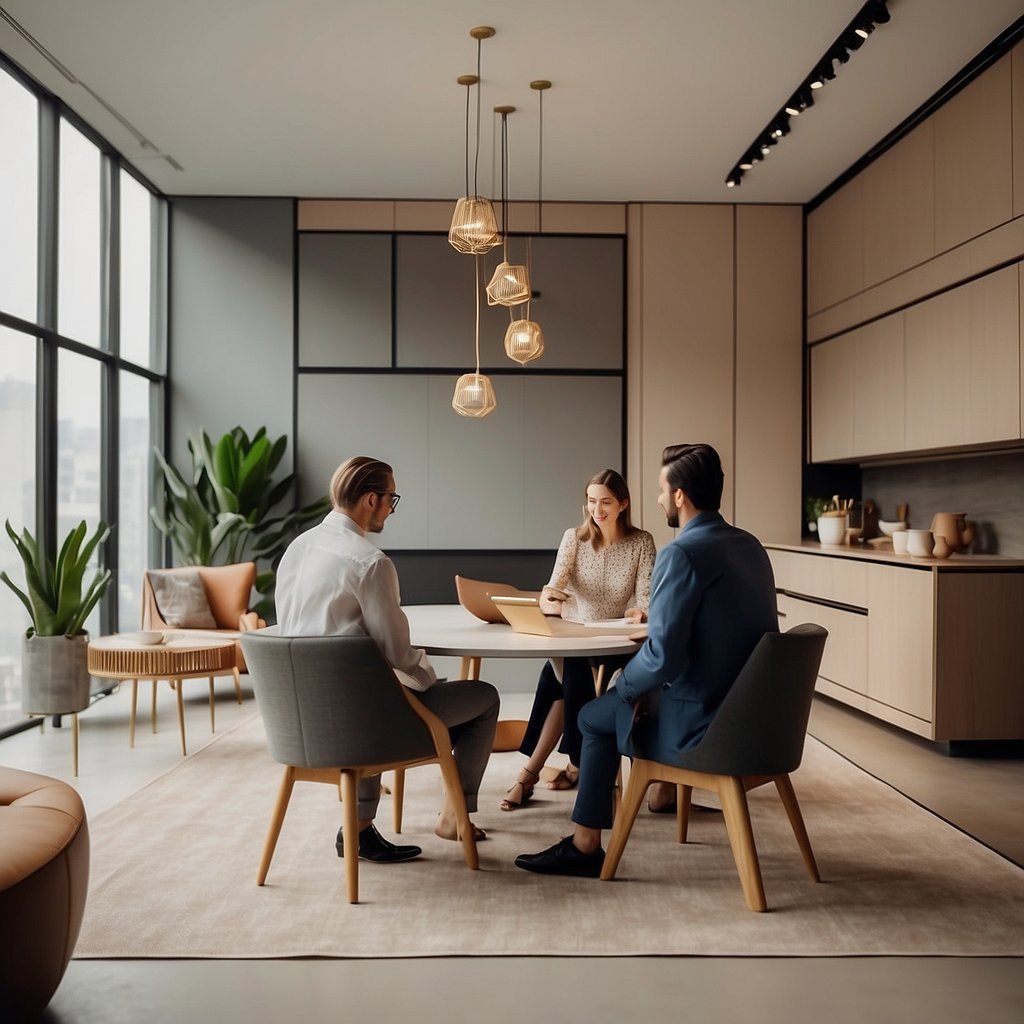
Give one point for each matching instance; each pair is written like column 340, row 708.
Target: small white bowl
column 149, row 637
column 889, row 528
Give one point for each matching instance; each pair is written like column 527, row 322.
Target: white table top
column 449, row 630
column 181, row 642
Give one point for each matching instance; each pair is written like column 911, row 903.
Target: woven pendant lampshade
column 474, row 393
column 474, row 396
column 524, row 341
column 509, row 286
column 474, row 228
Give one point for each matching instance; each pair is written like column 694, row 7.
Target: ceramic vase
column 832, row 530
column 899, row 542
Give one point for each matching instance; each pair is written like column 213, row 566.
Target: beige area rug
column 174, row 865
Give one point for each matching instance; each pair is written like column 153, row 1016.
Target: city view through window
column 64, row 352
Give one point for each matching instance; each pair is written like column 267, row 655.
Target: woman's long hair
column 588, row 530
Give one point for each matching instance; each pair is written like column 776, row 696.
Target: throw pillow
column 181, row 600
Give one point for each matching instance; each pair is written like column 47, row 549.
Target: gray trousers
column 470, row 710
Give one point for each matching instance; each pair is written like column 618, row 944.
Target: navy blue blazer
column 712, row 599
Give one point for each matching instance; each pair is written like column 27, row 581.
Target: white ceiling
column 653, row 100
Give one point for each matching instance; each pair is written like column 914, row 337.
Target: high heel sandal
column 562, row 778
column 525, row 787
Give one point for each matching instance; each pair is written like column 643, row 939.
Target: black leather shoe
column 563, row 859
column 373, row 846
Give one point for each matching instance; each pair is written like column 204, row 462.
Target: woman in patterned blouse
column 602, row 571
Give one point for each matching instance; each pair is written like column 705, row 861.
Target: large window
column 17, row 485
column 81, row 353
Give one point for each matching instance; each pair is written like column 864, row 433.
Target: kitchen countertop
column 886, row 556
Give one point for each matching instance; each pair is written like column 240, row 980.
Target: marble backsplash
column 989, row 488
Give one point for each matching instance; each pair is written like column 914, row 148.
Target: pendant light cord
column 504, row 182
column 476, row 162
column 476, row 291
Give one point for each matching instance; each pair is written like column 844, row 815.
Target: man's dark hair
column 696, row 470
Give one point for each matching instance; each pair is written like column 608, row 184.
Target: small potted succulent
column 55, row 677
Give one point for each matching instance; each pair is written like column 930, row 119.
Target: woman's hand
column 550, row 601
column 635, row 615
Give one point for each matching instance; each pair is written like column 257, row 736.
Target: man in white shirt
column 333, row 582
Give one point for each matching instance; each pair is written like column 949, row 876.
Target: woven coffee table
column 122, row 657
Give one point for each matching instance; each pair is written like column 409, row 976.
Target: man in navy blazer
column 712, row 599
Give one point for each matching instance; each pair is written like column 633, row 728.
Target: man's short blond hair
column 358, row 476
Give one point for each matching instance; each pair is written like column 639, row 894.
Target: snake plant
column 55, row 600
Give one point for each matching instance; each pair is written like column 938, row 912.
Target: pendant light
column 473, row 228
column 510, row 284
column 524, row 340
column 474, row 393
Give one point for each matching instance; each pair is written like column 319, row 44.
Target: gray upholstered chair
column 757, row 736
column 334, row 711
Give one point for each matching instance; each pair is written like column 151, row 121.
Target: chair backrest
column 228, row 590
column 331, row 701
column 759, row 728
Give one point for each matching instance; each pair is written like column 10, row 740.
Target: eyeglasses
column 395, row 498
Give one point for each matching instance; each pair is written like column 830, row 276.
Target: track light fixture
column 871, row 14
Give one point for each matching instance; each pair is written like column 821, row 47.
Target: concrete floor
column 984, row 796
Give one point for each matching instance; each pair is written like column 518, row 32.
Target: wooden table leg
column 153, row 710
column 212, row 726
column 131, row 716
column 470, row 667
column 181, row 713
column 74, row 741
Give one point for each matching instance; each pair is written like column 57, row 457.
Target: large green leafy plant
column 55, row 599
column 226, row 511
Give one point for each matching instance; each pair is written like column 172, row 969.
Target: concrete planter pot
column 55, row 675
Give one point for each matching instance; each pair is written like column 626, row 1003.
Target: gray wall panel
column 231, row 319
column 344, row 300
column 385, row 417
column 572, row 429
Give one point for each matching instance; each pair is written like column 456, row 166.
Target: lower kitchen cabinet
column 933, row 646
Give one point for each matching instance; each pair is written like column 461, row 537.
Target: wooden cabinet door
column 962, row 352
column 832, row 400
column 901, row 639
column 878, row 388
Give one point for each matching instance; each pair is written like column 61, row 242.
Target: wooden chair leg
column 453, row 790
column 639, row 780
column 213, row 726
column 238, row 685
column 398, row 799
column 350, row 831
column 741, row 839
column 796, row 820
column 284, row 794
column 684, row 796
column 181, row 714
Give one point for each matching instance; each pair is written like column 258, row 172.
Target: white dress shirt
column 333, row 582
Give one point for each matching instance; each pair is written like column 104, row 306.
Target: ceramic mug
column 899, row 542
column 920, row 543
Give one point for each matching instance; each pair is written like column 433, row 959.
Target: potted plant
column 55, row 677
column 229, row 508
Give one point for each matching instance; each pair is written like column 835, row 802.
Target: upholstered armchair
column 202, row 599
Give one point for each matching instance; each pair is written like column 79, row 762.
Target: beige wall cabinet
column 857, row 393
column 932, row 646
column 963, row 365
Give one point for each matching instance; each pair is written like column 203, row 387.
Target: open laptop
column 523, row 614
column 475, row 596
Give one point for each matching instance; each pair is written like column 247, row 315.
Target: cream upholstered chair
column 757, row 736
column 334, row 711
column 226, row 589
